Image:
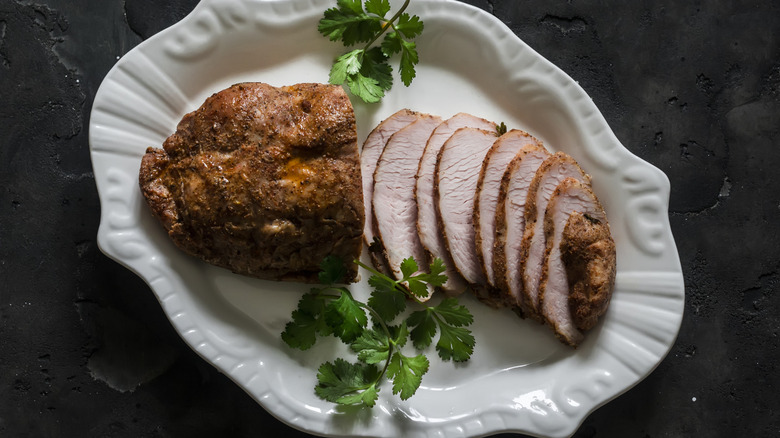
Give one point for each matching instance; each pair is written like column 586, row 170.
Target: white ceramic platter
column 520, row 378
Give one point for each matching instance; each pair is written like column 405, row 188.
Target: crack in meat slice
column 575, row 288
column 427, row 222
column 369, row 157
column 550, row 173
column 510, row 222
column 263, row 181
column 457, row 173
column 486, row 202
column 394, row 205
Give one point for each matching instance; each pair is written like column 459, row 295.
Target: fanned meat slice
column 457, row 174
column 394, row 206
column 550, row 173
column 488, row 188
column 427, row 222
column 369, row 156
column 580, row 261
column 510, row 221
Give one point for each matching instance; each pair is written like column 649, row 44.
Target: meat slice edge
column 427, row 222
column 393, row 205
column 510, row 223
column 457, row 174
column 369, row 157
column 575, row 221
column 550, row 173
column 491, row 174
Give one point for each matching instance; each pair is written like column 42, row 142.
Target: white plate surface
column 520, row 378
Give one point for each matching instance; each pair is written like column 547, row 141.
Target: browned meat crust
column 589, row 255
column 263, row 181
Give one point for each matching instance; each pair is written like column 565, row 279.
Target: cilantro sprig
column 366, row 70
column 332, row 310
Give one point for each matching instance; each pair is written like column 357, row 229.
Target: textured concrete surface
column 693, row 87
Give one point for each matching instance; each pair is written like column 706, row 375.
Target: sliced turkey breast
column 510, row 222
column 457, row 175
column 369, row 156
column 394, row 206
column 488, row 188
column 575, row 289
column 550, row 173
column 427, row 222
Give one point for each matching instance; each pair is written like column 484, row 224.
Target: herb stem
column 387, row 25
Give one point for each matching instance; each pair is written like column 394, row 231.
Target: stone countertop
column 691, row 87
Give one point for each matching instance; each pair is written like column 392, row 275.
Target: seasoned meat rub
column 580, row 262
column 263, row 181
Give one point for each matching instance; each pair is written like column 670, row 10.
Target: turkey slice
column 550, row 173
column 580, row 261
column 457, row 175
column 394, row 206
column 427, row 221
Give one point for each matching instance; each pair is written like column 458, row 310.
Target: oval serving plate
column 522, row 382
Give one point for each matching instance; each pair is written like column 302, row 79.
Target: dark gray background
column 691, row 86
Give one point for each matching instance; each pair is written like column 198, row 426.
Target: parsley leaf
column 333, row 310
column 424, row 328
column 409, row 25
column 407, row 373
column 345, row 383
column 345, row 316
column 385, row 299
column 307, row 322
column 371, row 347
column 455, row 341
column 332, row 270
column 378, row 7
column 366, row 71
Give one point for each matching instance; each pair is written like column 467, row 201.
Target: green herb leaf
column 349, row 23
column 332, row 270
column 385, row 299
column 345, row 66
column 424, row 328
column 371, row 347
column 408, row 60
column 408, row 267
column 454, row 313
column 366, row 71
column 345, row 383
column 375, row 66
column 456, row 343
column 378, row 7
column 406, row 373
column 410, row 26
column 345, row 317
column 500, row 129
column 307, row 322
column 365, row 88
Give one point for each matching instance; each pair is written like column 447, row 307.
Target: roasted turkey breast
column 575, row 289
column 394, row 205
column 427, row 222
column 550, row 173
column 488, row 189
column 457, row 176
column 510, row 222
column 263, row 181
